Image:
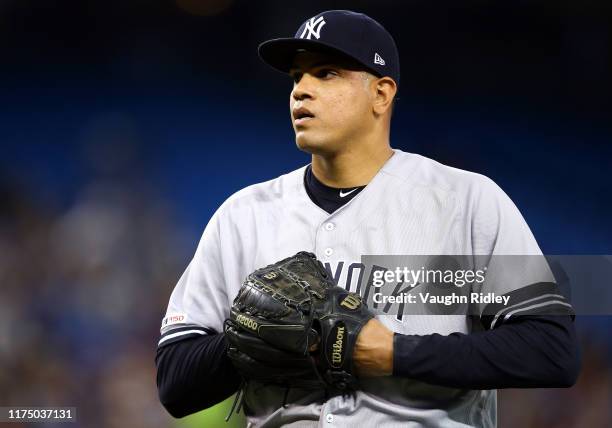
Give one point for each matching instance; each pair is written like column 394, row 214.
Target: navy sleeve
column 525, row 352
column 194, row 374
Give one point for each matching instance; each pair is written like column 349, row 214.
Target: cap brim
column 279, row 53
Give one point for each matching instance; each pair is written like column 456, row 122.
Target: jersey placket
column 326, row 239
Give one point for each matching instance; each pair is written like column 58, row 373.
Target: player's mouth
column 301, row 116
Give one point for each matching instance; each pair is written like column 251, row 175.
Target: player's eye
column 326, row 73
column 323, row 73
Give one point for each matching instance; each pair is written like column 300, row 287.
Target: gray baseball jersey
column 413, row 205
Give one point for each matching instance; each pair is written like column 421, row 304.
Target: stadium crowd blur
column 82, row 291
column 107, row 179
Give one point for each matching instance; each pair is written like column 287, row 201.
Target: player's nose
column 304, row 88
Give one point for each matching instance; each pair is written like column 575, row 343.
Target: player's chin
column 310, row 147
column 310, row 143
column 304, row 142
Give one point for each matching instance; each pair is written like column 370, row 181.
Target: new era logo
column 313, row 27
column 378, row 59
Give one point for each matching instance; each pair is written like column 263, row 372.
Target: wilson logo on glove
column 339, row 332
column 351, row 302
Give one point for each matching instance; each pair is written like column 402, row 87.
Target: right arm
column 194, row 374
column 193, row 369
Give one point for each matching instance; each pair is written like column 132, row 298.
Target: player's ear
column 384, row 89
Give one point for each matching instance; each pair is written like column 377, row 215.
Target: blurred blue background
column 124, row 125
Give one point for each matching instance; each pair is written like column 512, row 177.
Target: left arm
column 526, row 352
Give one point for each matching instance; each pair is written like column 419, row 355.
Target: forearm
column 530, row 352
column 194, row 374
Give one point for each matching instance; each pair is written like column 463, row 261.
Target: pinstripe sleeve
column 198, row 304
column 515, row 267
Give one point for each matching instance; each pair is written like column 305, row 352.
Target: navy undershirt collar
column 328, row 198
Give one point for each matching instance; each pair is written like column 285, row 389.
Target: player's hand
column 373, row 354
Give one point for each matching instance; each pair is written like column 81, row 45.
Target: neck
column 350, row 168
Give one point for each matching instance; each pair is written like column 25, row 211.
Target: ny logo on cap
column 313, row 26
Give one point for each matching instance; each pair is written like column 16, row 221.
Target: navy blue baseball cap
column 351, row 34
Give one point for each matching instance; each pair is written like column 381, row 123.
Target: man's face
column 330, row 103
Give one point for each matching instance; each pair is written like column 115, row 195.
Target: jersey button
column 328, row 252
column 329, row 418
column 329, row 226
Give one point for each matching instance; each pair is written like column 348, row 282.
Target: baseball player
column 359, row 196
